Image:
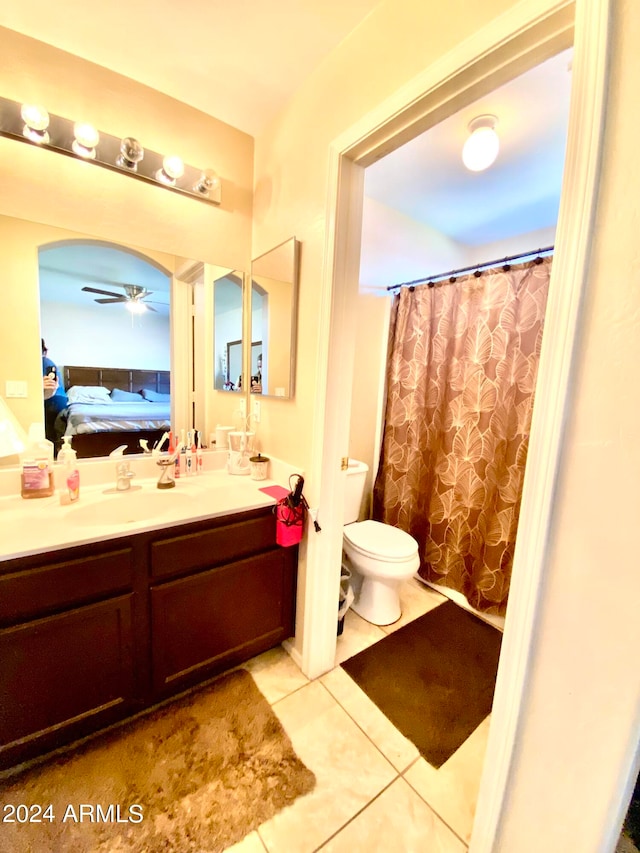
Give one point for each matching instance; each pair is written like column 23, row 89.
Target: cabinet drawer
column 193, row 551
column 44, row 589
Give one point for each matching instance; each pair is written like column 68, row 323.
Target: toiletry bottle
column 37, row 479
column 183, row 455
column 189, row 455
column 199, row 459
column 70, row 491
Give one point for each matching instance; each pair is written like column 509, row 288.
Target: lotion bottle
column 67, row 456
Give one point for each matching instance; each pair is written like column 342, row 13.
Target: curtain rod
column 476, row 267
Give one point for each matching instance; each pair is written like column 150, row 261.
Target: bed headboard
column 118, row 377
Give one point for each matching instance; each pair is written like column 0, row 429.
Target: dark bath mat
column 433, row 678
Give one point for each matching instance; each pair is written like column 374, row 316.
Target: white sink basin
column 129, row 507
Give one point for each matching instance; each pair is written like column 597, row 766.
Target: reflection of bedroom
column 105, row 319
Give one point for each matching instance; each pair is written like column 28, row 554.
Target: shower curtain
column 461, row 374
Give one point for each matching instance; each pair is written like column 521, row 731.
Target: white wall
column 367, row 400
column 580, row 724
column 107, row 336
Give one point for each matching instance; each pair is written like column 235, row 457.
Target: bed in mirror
column 274, row 301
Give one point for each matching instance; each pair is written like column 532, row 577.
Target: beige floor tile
column 349, row 771
column 397, row 821
column 393, row 745
column 358, row 635
column 452, row 790
column 416, row 599
column 276, row 674
column 250, row 844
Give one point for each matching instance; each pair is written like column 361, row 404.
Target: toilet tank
column 356, row 476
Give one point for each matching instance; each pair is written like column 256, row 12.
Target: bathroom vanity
column 93, row 633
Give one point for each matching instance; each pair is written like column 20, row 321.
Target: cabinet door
column 220, row 617
column 63, row 676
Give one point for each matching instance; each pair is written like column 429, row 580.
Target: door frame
column 519, row 39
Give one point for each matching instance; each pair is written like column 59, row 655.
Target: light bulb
column 209, row 181
column 481, row 148
column 86, row 139
column 136, row 307
column 172, row 168
column 131, row 153
column 36, row 122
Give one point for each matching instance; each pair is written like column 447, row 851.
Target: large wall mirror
column 274, row 302
column 119, row 325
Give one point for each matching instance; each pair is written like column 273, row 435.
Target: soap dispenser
column 68, row 457
column 37, row 465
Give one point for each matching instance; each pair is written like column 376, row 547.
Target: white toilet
column 381, row 557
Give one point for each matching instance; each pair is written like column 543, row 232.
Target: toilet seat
column 379, row 541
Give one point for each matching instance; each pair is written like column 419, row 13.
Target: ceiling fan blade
column 106, row 292
column 149, row 308
column 117, row 299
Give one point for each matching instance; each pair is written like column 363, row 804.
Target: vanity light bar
column 33, row 125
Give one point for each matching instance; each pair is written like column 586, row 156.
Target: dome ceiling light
column 481, row 148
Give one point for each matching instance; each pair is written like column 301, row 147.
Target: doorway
column 514, row 44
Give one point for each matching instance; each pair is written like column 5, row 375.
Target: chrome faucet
column 124, row 475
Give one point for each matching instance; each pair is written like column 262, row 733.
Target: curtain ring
column 430, row 284
column 411, row 289
column 452, row 280
column 477, row 273
column 538, row 260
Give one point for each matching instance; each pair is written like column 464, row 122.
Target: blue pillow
column 120, row 396
column 155, row 396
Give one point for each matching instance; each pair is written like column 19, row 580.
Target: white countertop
column 38, row 525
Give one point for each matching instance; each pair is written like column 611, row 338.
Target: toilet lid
column 380, row 540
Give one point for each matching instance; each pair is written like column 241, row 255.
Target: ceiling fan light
column 482, row 146
column 136, row 307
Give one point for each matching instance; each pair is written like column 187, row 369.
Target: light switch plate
column 15, row 388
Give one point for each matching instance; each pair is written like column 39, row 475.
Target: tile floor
column 374, row 792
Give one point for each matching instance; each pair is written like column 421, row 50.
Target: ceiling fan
column 133, row 294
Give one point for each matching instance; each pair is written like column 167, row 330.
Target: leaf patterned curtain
column 461, row 375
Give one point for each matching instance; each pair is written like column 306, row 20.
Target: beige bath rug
column 197, row 774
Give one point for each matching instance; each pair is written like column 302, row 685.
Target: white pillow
column 88, row 394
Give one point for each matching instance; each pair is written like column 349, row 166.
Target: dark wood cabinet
column 217, row 618
column 89, row 635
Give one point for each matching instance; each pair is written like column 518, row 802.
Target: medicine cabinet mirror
column 227, row 332
column 274, row 303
